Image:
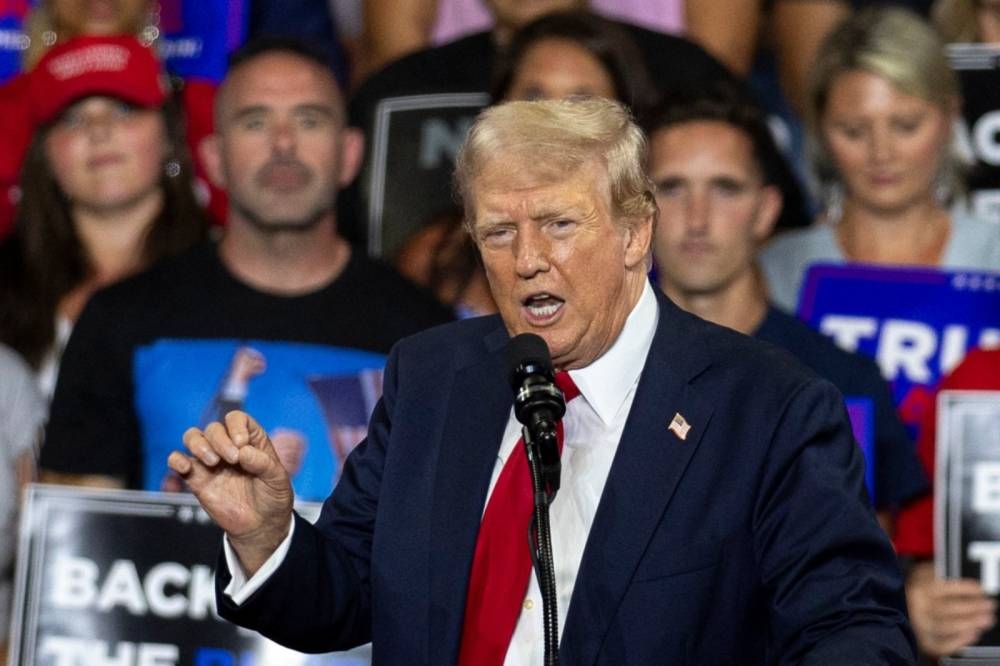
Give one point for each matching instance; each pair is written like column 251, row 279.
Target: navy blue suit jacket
column 750, row 542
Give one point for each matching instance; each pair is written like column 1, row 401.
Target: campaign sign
column 196, row 38
column 978, row 131
column 125, row 578
column 12, row 38
column 967, row 505
column 411, row 154
column 917, row 324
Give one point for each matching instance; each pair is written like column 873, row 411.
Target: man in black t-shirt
column 280, row 311
column 712, row 159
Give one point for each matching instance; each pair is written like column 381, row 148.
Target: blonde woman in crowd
column 883, row 100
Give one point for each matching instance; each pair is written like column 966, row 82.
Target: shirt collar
column 606, row 382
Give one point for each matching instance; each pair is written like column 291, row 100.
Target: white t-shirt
column 22, row 412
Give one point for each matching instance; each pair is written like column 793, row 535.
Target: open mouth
column 542, row 306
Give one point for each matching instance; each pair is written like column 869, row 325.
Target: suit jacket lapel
column 648, row 465
column 479, row 405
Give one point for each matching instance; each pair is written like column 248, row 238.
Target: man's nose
column 530, row 252
column 698, row 212
column 284, row 139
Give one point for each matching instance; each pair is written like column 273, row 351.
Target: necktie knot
column 567, row 385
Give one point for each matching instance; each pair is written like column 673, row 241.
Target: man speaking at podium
column 711, row 507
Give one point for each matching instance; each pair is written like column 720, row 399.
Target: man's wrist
column 255, row 548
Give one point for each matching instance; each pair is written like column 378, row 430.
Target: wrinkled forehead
column 544, row 183
column 278, row 80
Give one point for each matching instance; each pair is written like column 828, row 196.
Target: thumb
column 264, row 465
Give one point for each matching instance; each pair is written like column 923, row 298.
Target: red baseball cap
column 118, row 66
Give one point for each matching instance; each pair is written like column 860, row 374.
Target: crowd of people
column 171, row 250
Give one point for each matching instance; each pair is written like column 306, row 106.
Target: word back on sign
column 126, row 578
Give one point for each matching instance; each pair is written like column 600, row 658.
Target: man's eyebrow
column 323, row 109
column 549, row 213
column 257, row 109
column 249, row 111
column 670, row 179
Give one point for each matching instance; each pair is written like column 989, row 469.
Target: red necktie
column 501, row 566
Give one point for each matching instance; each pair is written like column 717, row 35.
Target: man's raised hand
column 235, row 473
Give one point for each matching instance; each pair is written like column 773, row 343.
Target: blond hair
column 546, row 140
column 898, row 46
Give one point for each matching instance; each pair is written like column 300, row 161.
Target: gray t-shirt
column 973, row 244
column 22, row 411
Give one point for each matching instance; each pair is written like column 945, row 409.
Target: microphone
column 538, row 405
column 538, row 402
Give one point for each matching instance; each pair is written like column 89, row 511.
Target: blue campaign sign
column 12, row 38
column 916, row 323
column 196, row 38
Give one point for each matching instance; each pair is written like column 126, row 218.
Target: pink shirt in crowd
column 456, row 18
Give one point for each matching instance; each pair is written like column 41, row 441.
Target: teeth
column 544, row 310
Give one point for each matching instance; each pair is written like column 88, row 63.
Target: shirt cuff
column 239, row 588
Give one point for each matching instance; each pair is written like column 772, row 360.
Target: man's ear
column 352, row 150
column 638, row 239
column 768, row 212
column 210, row 152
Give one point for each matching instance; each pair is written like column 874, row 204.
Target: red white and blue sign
column 917, row 324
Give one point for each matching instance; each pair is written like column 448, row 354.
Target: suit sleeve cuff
column 239, row 588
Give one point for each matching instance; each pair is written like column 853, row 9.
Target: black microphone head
column 529, row 369
column 527, row 354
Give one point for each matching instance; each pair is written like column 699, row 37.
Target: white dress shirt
column 592, row 428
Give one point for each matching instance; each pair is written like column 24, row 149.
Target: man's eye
column 495, row 234
column 309, row 122
column 669, row 189
column 729, row 187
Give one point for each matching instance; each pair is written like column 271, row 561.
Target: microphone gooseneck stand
column 538, row 406
column 540, row 542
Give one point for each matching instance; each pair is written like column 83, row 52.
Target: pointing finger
column 179, row 463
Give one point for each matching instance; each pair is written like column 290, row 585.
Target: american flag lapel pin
column 679, row 426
